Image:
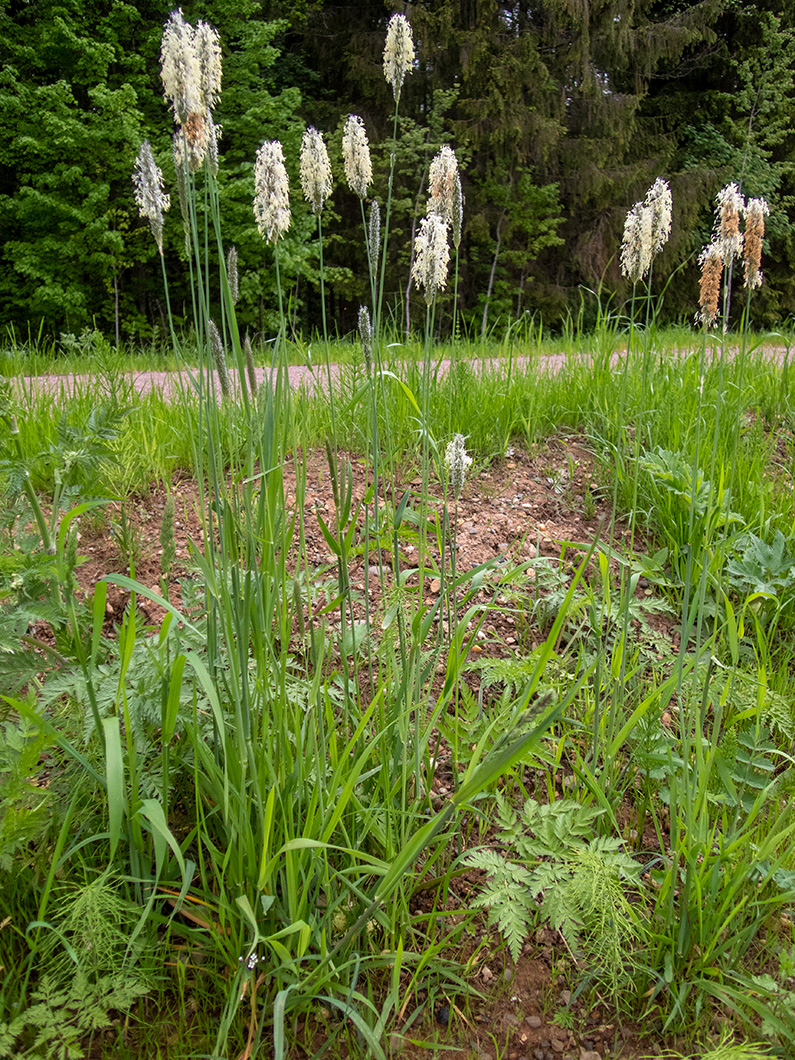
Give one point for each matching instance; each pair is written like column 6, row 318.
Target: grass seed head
column 458, row 211
column 208, row 50
column 231, row 273
column 730, row 205
column 151, row 200
column 636, row 247
column 456, row 461
column 755, row 212
column 213, row 136
column 271, row 192
column 183, row 185
column 251, row 369
column 711, row 260
column 219, row 356
column 432, row 256
column 398, row 52
column 660, row 202
column 366, row 335
column 315, row 169
column 356, row 156
column 180, row 69
column 442, row 180
column 374, row 235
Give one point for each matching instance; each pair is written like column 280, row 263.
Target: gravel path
column 168, row 383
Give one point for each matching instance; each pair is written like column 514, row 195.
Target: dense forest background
column 561, row 113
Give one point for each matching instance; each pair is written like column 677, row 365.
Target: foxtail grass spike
column 219, row 356
column 711, row 260
column 366, row 335
column 755, row 212
column 150, row 198
column 374, row 235
column 231, row 274
column 456, row 461
column 356, row 156
column 443, row 181
column 660, row 202
column 251, row 370
column 729, row 206
column 432, row 255
column 315, row 170
column 271, row 192
column 636, row 247
column 398, row 52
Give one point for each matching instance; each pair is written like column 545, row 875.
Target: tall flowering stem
column 646, row 230
column 429, row 272
column 446, row 199
column 754, row 211
column 272, row 215
column 315, row 170
column 398, row 62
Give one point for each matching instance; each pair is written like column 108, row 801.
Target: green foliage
column 692, row 514
column 768, row 569
column 24, row 803
column 556, row 870
column 64, row 1017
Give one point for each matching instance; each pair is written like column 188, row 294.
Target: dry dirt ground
column 526, row 505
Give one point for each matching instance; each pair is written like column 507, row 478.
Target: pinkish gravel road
column 169, row 383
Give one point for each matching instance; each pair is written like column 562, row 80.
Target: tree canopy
column 561, row 113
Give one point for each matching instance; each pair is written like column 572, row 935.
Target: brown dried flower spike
column 711, row 271
column 755, row 213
